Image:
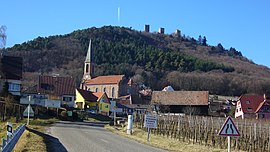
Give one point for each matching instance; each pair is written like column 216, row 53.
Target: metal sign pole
column 148, row 134
column 229, row 143
column 28, row 110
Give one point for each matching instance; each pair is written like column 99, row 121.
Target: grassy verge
column 33, row 139
column 162, row 142
column 3, row 127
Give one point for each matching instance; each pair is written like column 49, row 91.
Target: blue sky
column 242, row 24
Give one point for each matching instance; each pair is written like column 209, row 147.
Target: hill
column 154, row 59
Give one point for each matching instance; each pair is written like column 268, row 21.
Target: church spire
column 88, row 58
column 88, row 64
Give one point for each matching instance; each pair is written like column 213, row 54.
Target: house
column 252, row 106
column 11, row 74
column 52, row 91
column 188, row 102
column 96, row 102
column 114, row 85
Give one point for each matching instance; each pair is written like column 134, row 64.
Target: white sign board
column 150, row 121
column 117, row 110
column 53, row 103
column 229, row 129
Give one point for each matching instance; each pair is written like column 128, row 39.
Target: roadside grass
column 33, row 139
column 161, row 142
column 98, row 117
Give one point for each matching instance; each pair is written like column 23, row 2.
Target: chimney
column 264, row 97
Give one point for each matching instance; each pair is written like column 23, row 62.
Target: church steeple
column 88, row 58
column 88, row 64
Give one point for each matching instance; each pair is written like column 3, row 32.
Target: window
column 67, row 99
column 96, row 89
column 247, row 102
column 113, row 92
column 240, row 109
column 14, row 87
column 87, row 68
column 236, row 110
column 249, row 109
column 104, row 89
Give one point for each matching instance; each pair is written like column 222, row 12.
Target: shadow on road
column 85, row 123
column 52, row 143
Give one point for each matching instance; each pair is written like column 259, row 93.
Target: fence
column 203, row 130
column 9, row 143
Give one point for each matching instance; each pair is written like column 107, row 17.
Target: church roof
column 89, row 53
column 109, row 79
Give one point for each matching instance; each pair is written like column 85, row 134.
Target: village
column 116, row 93
column 193, row 116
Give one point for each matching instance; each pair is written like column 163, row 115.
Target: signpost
column 150, row 121
column 9, row 129
column 229, row 129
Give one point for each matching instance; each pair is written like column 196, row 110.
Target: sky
column 241, row 24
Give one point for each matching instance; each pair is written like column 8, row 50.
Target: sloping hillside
column 153, row 59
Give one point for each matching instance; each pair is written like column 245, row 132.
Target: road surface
column 92, row 137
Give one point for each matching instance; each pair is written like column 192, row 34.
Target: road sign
column 9, row 128
column 229, row 129
column 31, row 112
column 150, row 121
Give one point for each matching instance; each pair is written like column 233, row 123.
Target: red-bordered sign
column 229, row 129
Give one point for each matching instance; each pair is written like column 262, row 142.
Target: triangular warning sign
column 31, row 112
column 229, row 129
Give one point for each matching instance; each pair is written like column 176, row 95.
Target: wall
column 108, row 89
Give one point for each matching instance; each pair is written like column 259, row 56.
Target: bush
column 63, row 115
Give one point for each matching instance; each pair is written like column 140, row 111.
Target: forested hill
column 156, row 60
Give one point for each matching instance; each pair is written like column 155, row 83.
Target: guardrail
column 9, row 143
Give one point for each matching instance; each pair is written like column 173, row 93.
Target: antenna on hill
column 118, row 15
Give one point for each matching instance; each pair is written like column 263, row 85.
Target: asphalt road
column 92, row 137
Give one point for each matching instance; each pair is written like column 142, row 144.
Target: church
column 115, row 86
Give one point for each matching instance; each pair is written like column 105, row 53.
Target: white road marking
column 104, row 140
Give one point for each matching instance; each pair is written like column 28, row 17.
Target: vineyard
column 254, row 134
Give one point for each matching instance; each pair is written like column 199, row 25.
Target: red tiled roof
column 266, row 103
column 109, row 79
column 88, row 95
column 101, row 94
column 98, row 94
column 56, row 85
column 250, row 103
column 180, row 97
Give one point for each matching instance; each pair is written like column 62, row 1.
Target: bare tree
column 3, row 36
